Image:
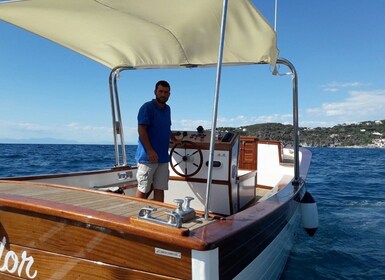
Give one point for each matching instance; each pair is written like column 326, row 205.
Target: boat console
column 189, row 164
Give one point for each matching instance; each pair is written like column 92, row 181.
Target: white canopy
column 149, row 33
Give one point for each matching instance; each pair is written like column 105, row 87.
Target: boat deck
column 80, row 202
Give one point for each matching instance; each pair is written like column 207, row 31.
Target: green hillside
column 367, row 134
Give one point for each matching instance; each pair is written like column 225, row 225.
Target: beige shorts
column 155, row 174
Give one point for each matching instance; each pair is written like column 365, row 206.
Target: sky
column 50, row 94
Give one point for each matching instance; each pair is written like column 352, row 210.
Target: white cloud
column 69, row 132
column 335, row 86
column 358, row 105
column 17, row 128
column 86, row 128
column 317, row 123
column 190, row 125
column 237, row 121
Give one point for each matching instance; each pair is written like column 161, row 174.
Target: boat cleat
column 145, row 213
column 174, row 219
column 184, row 210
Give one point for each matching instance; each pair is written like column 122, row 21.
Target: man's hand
column 152, row 156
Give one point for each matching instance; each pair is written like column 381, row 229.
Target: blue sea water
column 32, row 159
column 348, row 185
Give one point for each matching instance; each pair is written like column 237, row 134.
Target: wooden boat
column 233, row 204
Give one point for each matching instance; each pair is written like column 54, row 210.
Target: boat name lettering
column 168, row 253
column 18, row 265
column 125, row 175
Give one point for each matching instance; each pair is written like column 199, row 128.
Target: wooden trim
column 248, row 152
column 264, row 187
column 158, row 227
column 274, row 142
column 221, row 146
column 197, row 180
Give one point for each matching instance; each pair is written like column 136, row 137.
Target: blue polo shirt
column 158, row 121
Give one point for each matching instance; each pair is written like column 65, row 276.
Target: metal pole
column 215, row 108
column 124, row 158
column 111, row 77
column 115, row 110
column 295, row 117
column 275, row 15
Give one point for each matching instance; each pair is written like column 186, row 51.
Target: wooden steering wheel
column 189, row 158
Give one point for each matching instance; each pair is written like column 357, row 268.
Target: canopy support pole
column 287, row 63
column 215, row 108
column 112, row 98
column 117, row 124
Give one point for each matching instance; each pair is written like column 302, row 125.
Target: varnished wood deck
column 71, row 233
column 75, row 216
column 81, row 201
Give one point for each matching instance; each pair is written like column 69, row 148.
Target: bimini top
column 149, row 33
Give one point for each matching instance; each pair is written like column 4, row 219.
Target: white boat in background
column 233, row 204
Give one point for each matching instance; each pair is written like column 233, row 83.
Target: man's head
column 162, row 91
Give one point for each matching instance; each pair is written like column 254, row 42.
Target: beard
column 162, row 100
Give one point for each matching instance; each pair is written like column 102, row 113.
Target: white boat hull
column 271, row 262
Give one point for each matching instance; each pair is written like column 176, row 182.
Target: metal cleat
column 145, row 213
column 183, row 209
column 174, row 219
column 188, row 212
column 179, row 208
column 186, row 205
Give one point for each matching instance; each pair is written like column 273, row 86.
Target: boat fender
column 309, row 214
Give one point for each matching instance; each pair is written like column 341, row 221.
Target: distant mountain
column 48, row 140
column 37, row 141
column 365, row 134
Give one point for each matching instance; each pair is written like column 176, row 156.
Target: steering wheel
column 189, row 158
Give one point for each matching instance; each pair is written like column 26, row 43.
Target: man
column 154, row 128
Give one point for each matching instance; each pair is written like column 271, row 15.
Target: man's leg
column 144, row 177
column 160, row 181
column 159, row 195
column 148, row 194
column 140, row 194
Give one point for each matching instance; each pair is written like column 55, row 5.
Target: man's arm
column 143, row 135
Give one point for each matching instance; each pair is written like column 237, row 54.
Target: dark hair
column 163, row 84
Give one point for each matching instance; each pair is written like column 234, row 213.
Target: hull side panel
column 271, row 262
column 63, row 242
column 237, row 252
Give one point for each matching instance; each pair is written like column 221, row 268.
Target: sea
column 348, row 185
